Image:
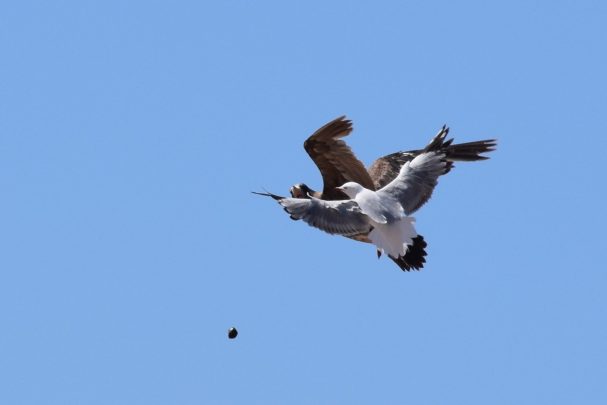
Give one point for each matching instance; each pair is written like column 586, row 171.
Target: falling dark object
column 232, row 333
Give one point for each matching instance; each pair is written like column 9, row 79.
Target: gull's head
column 300, row 190
column 351, row 189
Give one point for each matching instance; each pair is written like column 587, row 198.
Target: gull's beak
column 339, row 188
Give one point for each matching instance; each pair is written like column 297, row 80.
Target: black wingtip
column 438, row 141
column 267, row 194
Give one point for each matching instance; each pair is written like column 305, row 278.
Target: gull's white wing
column 341, row 217
column 416, row 180
column 338, row 217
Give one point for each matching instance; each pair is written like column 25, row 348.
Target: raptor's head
column 300, row 190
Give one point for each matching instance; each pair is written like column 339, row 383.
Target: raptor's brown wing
column 335, row 160
column 386, row 168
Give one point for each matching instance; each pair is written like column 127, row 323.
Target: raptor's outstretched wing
column 335, row 159
column 386, row 168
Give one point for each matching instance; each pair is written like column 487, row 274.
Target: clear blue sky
column 132, row 132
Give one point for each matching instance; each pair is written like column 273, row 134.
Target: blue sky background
column 132, row 132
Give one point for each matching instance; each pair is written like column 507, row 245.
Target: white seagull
column 377, row 211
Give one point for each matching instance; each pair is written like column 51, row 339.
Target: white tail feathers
column 394, row 238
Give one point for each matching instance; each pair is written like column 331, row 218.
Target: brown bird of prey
column 338, row 165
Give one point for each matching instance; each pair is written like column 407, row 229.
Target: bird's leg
column 378, row 253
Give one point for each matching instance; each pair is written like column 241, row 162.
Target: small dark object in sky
column 232, row 333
